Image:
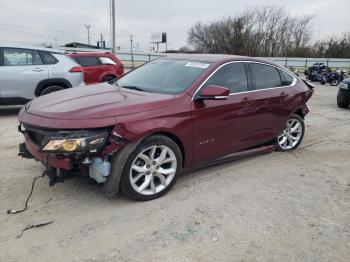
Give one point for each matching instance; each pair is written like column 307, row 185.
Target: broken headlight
column 78, row 141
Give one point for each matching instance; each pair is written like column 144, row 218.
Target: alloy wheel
column 153, row 169
column 291, row 135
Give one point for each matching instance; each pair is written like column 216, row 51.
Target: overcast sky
column 41, row 21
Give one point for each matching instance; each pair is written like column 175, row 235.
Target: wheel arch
column 173, row 137
column 53, row 81
column 300, row 112
column 107, row 74
column 111, row 187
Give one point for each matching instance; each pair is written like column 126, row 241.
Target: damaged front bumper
column 94, row 163
column 30, row 150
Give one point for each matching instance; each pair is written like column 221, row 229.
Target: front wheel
column 292, row 135
column 151, row 169
column 343, row 99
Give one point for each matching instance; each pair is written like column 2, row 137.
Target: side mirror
column 213, row 92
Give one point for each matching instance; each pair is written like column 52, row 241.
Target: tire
column 342, row 105
column 322, row 82
column 141, row 178
column 343, row 101
column 290, row 140
column 50, row 89
column 109, row 79
column 335, row 82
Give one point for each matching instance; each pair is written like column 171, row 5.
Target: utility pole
column 101, row 43
column 88, row 31
column 113, row 28
column 131, row 52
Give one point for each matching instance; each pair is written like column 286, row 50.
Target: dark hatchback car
column 171, row 114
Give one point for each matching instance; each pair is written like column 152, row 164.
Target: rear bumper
column 57, row 162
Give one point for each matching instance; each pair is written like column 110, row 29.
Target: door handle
column 38, row 70
column 247, row 101
column 282, row 97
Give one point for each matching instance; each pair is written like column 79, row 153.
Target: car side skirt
column 238, row 155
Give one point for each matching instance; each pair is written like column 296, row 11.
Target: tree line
column 265, row 31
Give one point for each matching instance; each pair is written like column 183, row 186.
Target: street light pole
column 88, row 31
column 113, row 27
column 132, row 52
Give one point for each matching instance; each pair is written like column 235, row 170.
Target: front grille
column 37, row 138
column 37, row 135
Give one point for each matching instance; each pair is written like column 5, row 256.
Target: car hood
column 95, row 101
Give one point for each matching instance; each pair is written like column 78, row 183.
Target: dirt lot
column 276, row 207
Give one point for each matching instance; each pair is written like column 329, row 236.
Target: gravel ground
column 276, row 207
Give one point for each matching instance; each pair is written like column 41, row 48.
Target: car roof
column 90, row 54
column 214, row 58
column 51, row 50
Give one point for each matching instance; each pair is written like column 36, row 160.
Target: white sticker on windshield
column 198, row 65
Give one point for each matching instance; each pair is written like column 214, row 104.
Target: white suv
column 27, row 72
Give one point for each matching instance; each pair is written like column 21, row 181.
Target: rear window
column 48, row 58
column 107, row 61
column 287, row 80
column 265, row 76
column 86, row 61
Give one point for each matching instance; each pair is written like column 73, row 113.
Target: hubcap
column 153, row 170
column 291, row 135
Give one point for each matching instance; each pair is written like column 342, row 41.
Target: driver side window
column 233, row 76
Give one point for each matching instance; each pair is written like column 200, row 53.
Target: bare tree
column 260, row 31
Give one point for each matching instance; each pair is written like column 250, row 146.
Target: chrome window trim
column 255, row 62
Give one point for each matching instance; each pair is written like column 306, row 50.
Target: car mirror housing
column 213, row 92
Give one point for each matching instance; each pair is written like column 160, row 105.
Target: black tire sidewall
column 301, row 120
column 50, row 89
column 343, row 101
column 336, row 83
column 343, row 104
column 159, row 140
column 109, row 79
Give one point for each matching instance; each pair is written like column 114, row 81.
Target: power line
column 37, row 28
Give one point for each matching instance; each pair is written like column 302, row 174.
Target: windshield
column 167, row 76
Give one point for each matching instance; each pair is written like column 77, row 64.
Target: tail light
column 76, row 69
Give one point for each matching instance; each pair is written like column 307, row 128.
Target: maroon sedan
column 99, row 67
column 171, row 114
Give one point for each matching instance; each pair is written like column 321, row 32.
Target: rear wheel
column 50, row 89
column 292, row 135
column 109, row 79
column 151, row 169
column 335, row 82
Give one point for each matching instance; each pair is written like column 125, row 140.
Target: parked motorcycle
column 314, row 76
column 334, row 78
